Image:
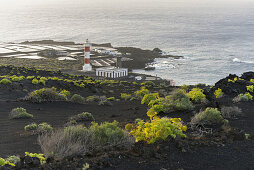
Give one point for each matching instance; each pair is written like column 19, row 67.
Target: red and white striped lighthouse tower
column 87, row 66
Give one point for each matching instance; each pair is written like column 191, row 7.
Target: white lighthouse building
column 87, row 66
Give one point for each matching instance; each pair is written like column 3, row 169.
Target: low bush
column 39, row 129
column 78, row 99
column 16, row 78
column 4, row 162
column 20, row 113
column 178, row 101
column 218, row 93
column 196, row 94
column 82, row 117
column 93, row 98
column 243, row 97
column 111, row 99
column 156, row 129
column 141, row 93
column 250, row 88
column 74, row 140
column 211, row 116
column 252, row 80
column 41, row 157
column 5, row 81
column 65, row 93
column 44, row 128
column 13, row 159
column 35, row 81
column 231, row 112
column 149, row 97
column 31, row 127
column 125, row 96
column 45, row 95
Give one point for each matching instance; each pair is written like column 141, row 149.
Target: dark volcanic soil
column 220, row 150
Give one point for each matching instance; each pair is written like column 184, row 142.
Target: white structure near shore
column 111, row 72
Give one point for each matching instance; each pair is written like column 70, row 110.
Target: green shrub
column 41, row 157
column 125, row 96
column 44, row 128
column 5, row 81
column 35, row 81
column 141, row 93
column 39, row 129
column 148, row 97
column 156, row 129
column 208, row 117
column 31, row 127
column 231, row 112
column 106, row 132
column 13, row 159
column 218, row 93
column 29, row 77
column 196, row 94
column 250, row 88
column 252, row 80
column 243, row 97
column 93, row 98
column 4, row 162
column 76, row 140
column 111, row 99
column 178, row 101
column 85, row 116
column 16, row 78
column 65, row 93
column 20, row 113
column 45, row 95
column 78, row 99
column 155, row 109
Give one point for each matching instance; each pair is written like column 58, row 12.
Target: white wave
column 243, row 61
column 236, row 60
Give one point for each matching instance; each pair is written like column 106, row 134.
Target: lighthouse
column 87, row 66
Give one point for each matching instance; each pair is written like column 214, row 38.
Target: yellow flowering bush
column 149, row 97
column 250, row 88
column 196, row 94
column 249, row 96
column 142, row 92
column 234, row 80
column 155, row 109
column 156, row 129
column 252, row 80
column 4, row 162
column 37, row 155
column 218, row 93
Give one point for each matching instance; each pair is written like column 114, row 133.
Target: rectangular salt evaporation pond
column 33, row 57
column 14, row 55
column 70, row 48
column 66, row 58
column 4, row 50
column 52, row 47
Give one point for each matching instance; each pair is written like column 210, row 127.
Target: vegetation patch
column 196, row 94
column 211, row 116
column 231, row 112
column 20, row 113
column 156, row 129
column 45, row 95
column 74, row 140
column 76, row 98
column 39, row 129
column 82, row 117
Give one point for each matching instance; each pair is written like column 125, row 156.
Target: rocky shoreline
column 140, row 58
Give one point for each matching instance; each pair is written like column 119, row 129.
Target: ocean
column 216, row 37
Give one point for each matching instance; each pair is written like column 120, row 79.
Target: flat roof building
column 111, row 72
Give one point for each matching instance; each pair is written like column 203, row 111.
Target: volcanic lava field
column 224, row 142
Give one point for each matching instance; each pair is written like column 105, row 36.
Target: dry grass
column 76, row 140
column 231, row 112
